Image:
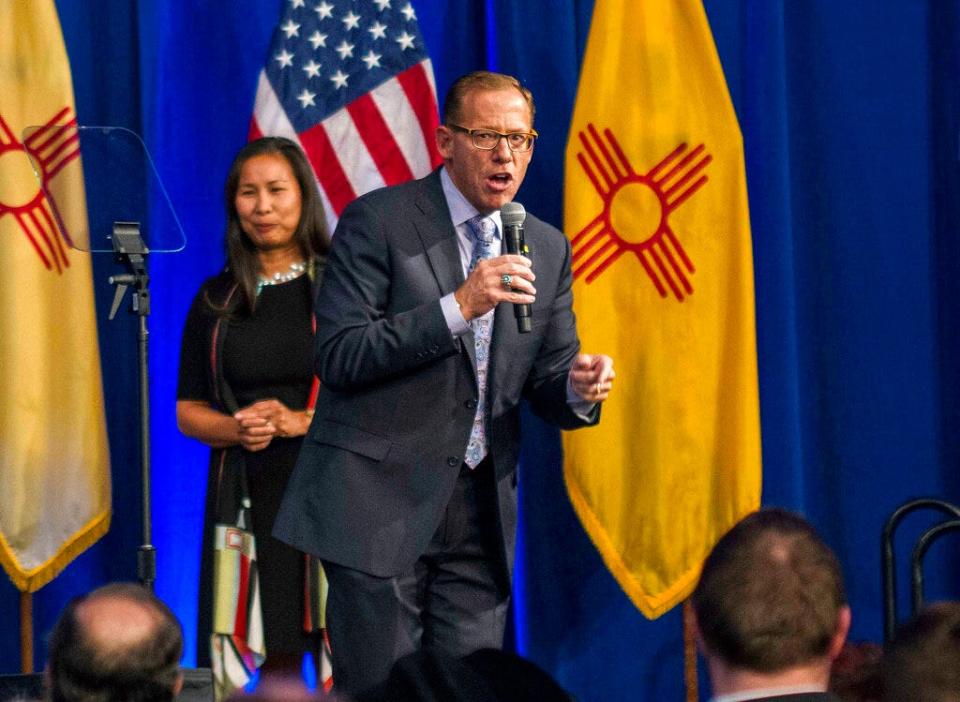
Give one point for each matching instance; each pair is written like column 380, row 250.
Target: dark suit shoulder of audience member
column 922, row 662
column 487, row 675
column 855, row 675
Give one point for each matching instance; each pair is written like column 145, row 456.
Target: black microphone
column 512, row 215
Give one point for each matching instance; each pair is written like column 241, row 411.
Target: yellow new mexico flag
column 656, row 208
column 54, row 463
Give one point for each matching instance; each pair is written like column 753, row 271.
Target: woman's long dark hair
column 311, row 235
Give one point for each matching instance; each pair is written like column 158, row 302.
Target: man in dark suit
column 406, row 484
column 771, row 611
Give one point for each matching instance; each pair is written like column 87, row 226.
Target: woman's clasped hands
column 261, row 421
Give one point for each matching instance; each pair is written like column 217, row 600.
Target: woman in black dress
column 246, row 389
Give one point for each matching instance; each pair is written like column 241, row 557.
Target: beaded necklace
column 296, row 269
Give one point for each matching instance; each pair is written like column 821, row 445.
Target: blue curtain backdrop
column 850, row 119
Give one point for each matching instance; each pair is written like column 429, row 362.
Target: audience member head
column 770, row 605
column 922, row 662
column 118, row 643
column 487, row 675
column 278, row 688
column 308, row 233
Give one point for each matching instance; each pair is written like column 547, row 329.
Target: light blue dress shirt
column 461, row 211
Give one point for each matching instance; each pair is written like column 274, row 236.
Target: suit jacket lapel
column 437, row 234
column 439, row 240
column 504, row 329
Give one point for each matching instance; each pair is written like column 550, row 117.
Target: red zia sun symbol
column 635, row 212
column 52, row 147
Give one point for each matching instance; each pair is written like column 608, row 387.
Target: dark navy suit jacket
column 399, row 393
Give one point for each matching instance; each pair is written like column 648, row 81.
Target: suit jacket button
column 470, row 404
column 453, row 461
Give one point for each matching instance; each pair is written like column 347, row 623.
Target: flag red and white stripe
column 378, row 128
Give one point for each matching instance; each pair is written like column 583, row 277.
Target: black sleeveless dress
column 268, row 355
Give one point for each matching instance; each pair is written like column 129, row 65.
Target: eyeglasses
column 488, row 139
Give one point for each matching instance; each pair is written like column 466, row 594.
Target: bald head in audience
column 117, row 644
column 771, row 610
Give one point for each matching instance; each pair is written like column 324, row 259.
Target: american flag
column 351, row 81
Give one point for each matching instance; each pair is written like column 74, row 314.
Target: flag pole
column 26, row 632
column 689, row 653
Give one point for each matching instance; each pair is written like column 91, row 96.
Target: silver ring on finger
column 505, row 280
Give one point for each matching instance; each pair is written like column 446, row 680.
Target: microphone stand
column 129, row 249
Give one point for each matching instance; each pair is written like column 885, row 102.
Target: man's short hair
column 136, row 666
column 922, row 662
column 480, row 80
column 770, row 594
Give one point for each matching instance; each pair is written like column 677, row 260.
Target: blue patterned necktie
column 483, row 230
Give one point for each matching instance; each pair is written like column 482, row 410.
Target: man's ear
column 178, row 685
column 444, row 139
column 840, row 636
